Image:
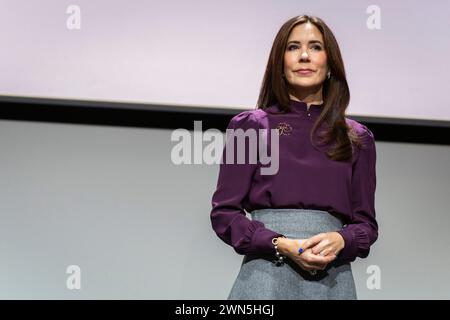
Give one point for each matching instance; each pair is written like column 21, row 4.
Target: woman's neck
column 309, row 99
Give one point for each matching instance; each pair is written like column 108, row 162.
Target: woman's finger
column 318, row 248
column 309, row 267
column 326, row 251
column 304, row 261
column 311, row 242
column 319, row 260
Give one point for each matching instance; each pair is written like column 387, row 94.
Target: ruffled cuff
column 257, row 240
column 356, row 243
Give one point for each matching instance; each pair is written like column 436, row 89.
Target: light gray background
column 213, row 53
column 110, row 200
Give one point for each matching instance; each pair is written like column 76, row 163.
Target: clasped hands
column 318, row 251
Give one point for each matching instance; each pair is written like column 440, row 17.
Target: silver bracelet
column 279, row 257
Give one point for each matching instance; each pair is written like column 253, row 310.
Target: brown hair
column 335, row 91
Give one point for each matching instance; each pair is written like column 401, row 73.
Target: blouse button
column 309, row 114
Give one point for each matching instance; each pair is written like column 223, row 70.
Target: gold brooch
column 284, row 128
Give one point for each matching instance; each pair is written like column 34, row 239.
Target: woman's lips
column 304, row 72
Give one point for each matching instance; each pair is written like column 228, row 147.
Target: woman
column 312, row 218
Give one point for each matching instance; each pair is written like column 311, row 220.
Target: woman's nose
column 304, row 55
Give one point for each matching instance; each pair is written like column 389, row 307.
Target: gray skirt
column 260, row 278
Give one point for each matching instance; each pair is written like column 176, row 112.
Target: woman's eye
column 291, row 47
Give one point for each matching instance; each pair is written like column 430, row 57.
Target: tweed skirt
column 260, row 278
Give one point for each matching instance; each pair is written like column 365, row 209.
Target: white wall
column 109, row 200
column 206, row 53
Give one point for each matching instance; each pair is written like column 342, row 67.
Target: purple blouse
column 306, row 178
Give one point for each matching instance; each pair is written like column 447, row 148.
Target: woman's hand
column 324, row 244
column 307, row 260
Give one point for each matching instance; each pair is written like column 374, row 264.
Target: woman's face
column 305, row 49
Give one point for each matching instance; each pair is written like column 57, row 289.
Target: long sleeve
column 228, row 217
column 362, row 231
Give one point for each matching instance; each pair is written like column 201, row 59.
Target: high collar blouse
column 306, row 179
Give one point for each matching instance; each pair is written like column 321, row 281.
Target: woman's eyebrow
column 311, row 41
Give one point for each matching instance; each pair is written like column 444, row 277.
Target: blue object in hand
column 300, row 250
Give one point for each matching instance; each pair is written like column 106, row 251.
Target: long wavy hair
column 335, row 90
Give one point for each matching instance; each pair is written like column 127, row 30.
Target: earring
column 329, row 74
